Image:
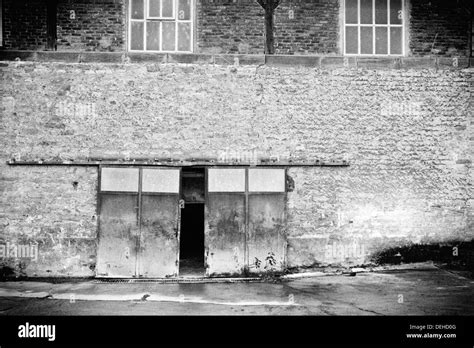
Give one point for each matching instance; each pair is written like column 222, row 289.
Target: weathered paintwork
column 139, row 233
column 159, row 238
column 225, row 234
column 243, row 231
column 118, row 235
column 266, row 235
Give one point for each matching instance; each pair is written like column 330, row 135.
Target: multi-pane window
column 373, row 27
column 161, row 25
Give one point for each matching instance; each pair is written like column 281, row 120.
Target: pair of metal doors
column 245, row 220
column 139, row 221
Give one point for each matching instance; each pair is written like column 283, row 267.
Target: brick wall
column 314, row 29
column 99, row 25
column 439, row 27
column 407, row 134
column 229, row 26
column 24, row 24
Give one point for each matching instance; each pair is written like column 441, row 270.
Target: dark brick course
column 98, row 25
column 439, row 27
column 24, row 24
column 227, row 26
column 313, row 29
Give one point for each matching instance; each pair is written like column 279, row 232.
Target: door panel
column 159, row 241
column 266, row 242
column 225, row 233
column 139, row 232
column 118, row 235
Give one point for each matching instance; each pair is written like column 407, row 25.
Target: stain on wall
column 56, row 223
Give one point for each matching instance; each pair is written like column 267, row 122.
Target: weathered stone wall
column 406, row 133
column 51, row 211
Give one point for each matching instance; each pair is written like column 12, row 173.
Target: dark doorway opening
column 191, row 250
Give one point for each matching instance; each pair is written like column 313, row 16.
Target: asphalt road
column 426, row 290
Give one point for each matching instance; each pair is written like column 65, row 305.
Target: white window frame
column 147, row 4
column 174, row 19
column 373, row 25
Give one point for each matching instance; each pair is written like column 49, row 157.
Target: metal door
column 118, row 222
column 160, row 217
column 139, row 222
column 225, row 221
column 266, row 213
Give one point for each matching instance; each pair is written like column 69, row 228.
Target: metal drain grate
column 177, row 280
